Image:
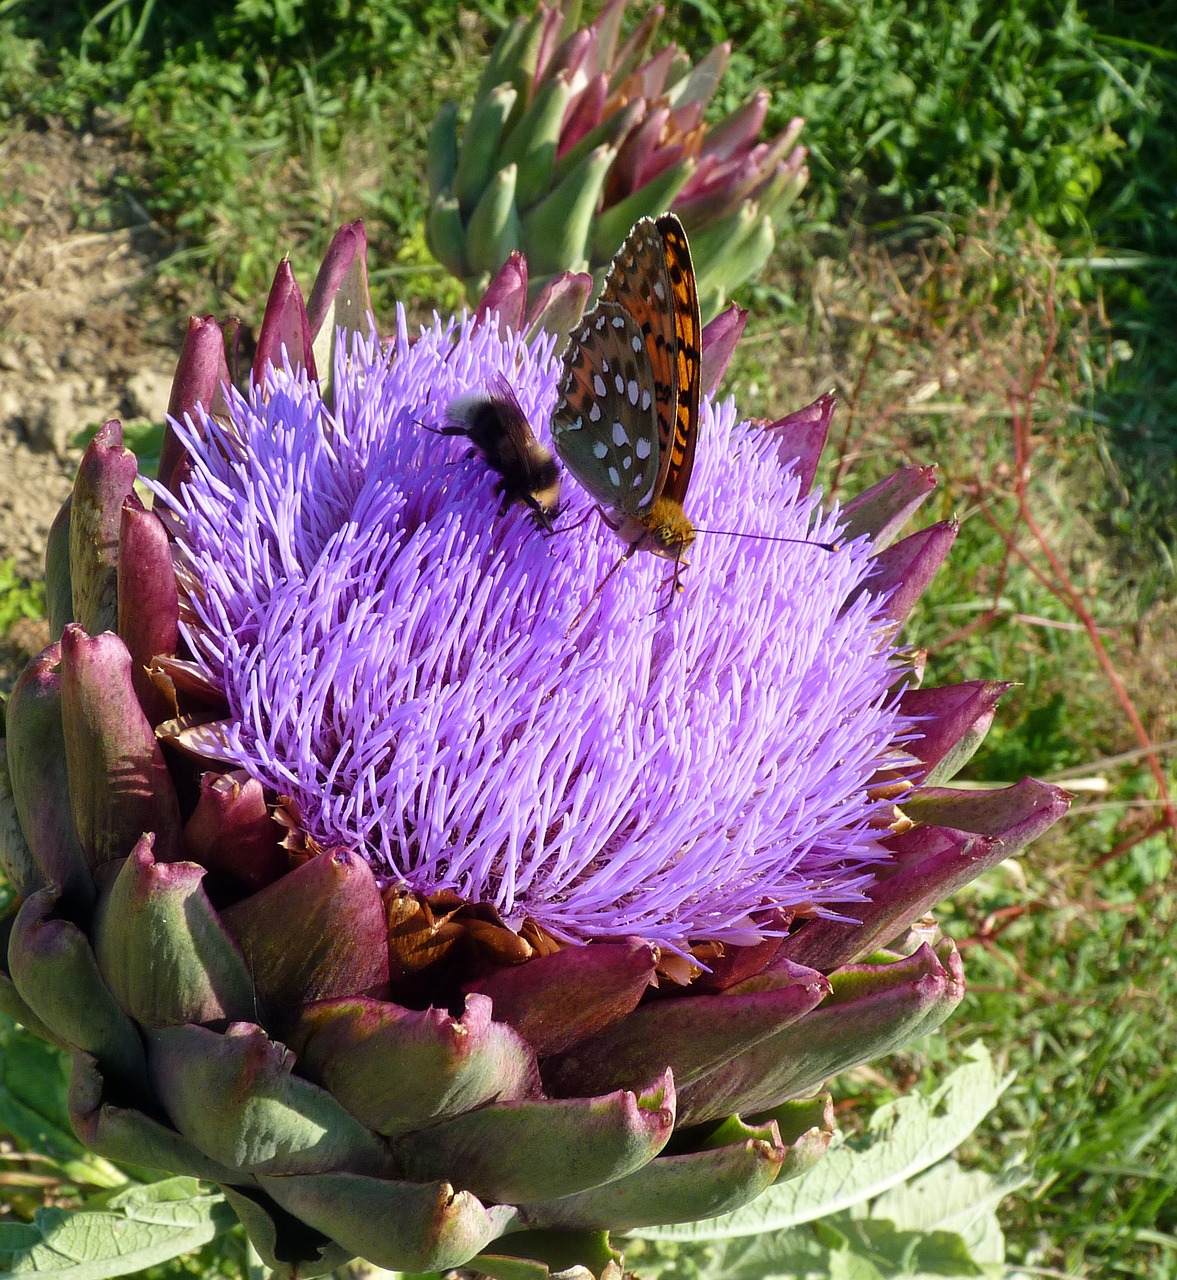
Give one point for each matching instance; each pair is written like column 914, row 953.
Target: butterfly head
column 665, row 530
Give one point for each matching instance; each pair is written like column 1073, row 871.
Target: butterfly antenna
column 772, row 537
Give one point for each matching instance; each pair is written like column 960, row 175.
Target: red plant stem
column 1130, row 842
column 853, row 407
column 1021, row 401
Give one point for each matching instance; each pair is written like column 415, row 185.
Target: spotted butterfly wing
column 606, row 425
column 628, row 414
column 654, row 278
column 688, row 331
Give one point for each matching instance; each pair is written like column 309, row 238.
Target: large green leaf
column 134, row 1229
column 941, row 1225
column 34, row 1083
column 950, row 1200
column 905, row 1138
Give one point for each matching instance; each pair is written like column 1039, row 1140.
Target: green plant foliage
column 905, row 1138
column 263, row 123
column 138, row 1228
column 18, row 598
column 1086, row 997
column 918, row 107
column 886, row 1205
column 34, row 1116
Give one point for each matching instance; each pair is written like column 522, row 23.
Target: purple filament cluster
column 404, row 660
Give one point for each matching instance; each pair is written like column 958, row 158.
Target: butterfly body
column 495, row 424
column 628, row 414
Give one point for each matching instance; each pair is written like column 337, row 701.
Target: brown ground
column 75, row 347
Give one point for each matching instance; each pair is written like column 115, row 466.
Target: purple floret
column 398, row 658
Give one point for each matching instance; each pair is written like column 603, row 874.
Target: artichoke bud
column 551, row 96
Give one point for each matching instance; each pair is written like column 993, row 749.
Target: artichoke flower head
column 442, row 905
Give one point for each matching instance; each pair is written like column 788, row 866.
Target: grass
column 994, row 199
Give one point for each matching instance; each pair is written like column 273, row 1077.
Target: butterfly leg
column 584, row 519
column 580, row 617
column 674, row 582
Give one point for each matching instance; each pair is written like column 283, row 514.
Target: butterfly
column 497, row 427
column 627, row 417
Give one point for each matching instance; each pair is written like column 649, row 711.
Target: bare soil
column 79, row 332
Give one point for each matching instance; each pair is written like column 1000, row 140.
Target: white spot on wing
column 642, row 449
column 632, row 391
column 599, row 384
column 614, row 478
column 594, row 412
column 619, row 436
column 600, row 449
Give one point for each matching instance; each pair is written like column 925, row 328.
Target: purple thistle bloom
column 399, row 657
column 282, row 779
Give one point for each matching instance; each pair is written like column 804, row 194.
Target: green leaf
column 34, row 1116
column 948, row 1198
column 905, row 1138
column 138, row 1228
column 942, row 1225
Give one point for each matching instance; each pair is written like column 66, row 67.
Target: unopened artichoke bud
column 464, row 907
column 598, row 133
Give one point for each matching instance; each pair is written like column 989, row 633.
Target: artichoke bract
column 442, row 908
column 575, row 134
